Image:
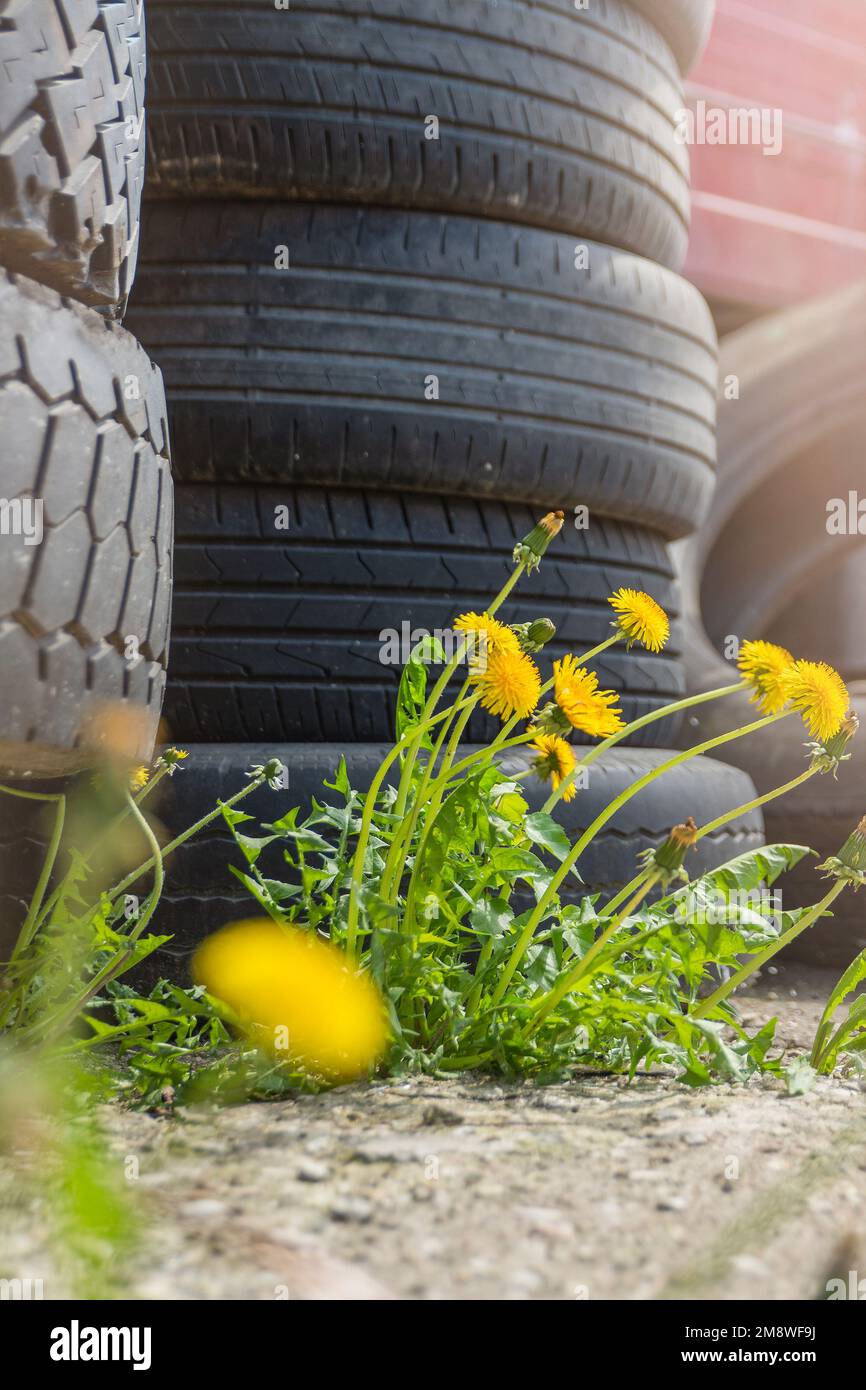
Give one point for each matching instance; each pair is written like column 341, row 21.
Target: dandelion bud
column 668, row 858
column 533, row 636
column 271, row 772
column 171, row 758
column 551, row 720
column 531, row 549
column 829, row 755
column 850, row 863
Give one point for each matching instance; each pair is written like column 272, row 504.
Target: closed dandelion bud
column 531, row 549
column 533, row 636
column 850, row 863
column 271, row 772
column 829, row 755
column 668, row 858
column 171, row 758
column 551, row 720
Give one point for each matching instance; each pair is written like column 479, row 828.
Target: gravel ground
column 464, row 1189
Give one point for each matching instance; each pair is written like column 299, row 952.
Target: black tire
column 278, row 634
column 201, row 894
column 72, row 145
column 555, row 386
column 84, row 615
column 684, row 24
column 548, row 116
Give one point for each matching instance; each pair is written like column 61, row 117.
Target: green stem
column 28, row 929
column 577, row 850
column 625, row 893
column 32, row 796
column 715, row 825
column 366, row 824
column 549, row 1002
column 435, row 694
column 432, row 812
column 758, row 801
column 403, row 833
column 100, row 840
column 719, row 995
column 179, row 840
column 120, row 960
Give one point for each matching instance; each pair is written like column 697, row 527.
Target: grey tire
column 684, row 24
column 85, row 533
column 72, row 145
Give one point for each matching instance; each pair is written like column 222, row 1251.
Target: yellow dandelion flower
column 485, row 634
column 585, row 706
column 508, row 683
column 295, row 996
column 640, row 619
column 139, row 778
column 767, row 668
column 555, row 762
column 820, row 695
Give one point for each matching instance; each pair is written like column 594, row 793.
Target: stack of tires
column 411, row 274
column 782, row 556
column 85, row 484
column 86, row 504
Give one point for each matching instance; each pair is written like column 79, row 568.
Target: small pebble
column 313, row 1171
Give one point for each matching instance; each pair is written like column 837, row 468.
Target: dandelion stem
column 28, row 929
column 589, row 834
column 367, row 821
column 120, row 960
column 550, row 1000
column 758, row 801
column 713, row 825
column 179, row 840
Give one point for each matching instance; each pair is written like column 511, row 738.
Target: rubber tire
column 99, row 464
column 684, row 24
column 555, row 387
column 201, row 894
column 548, row 116
column 821, row 813
column 799, row 381
column 278, row 634
column 72, row 145
column 824, row 623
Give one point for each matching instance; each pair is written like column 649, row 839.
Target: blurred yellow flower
column 585, row 707
column 139, row 778
column 640, row 619
column 820, row 695
column 767, row 668
column 296, row 996
column 508, row 683
column 555, row 762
